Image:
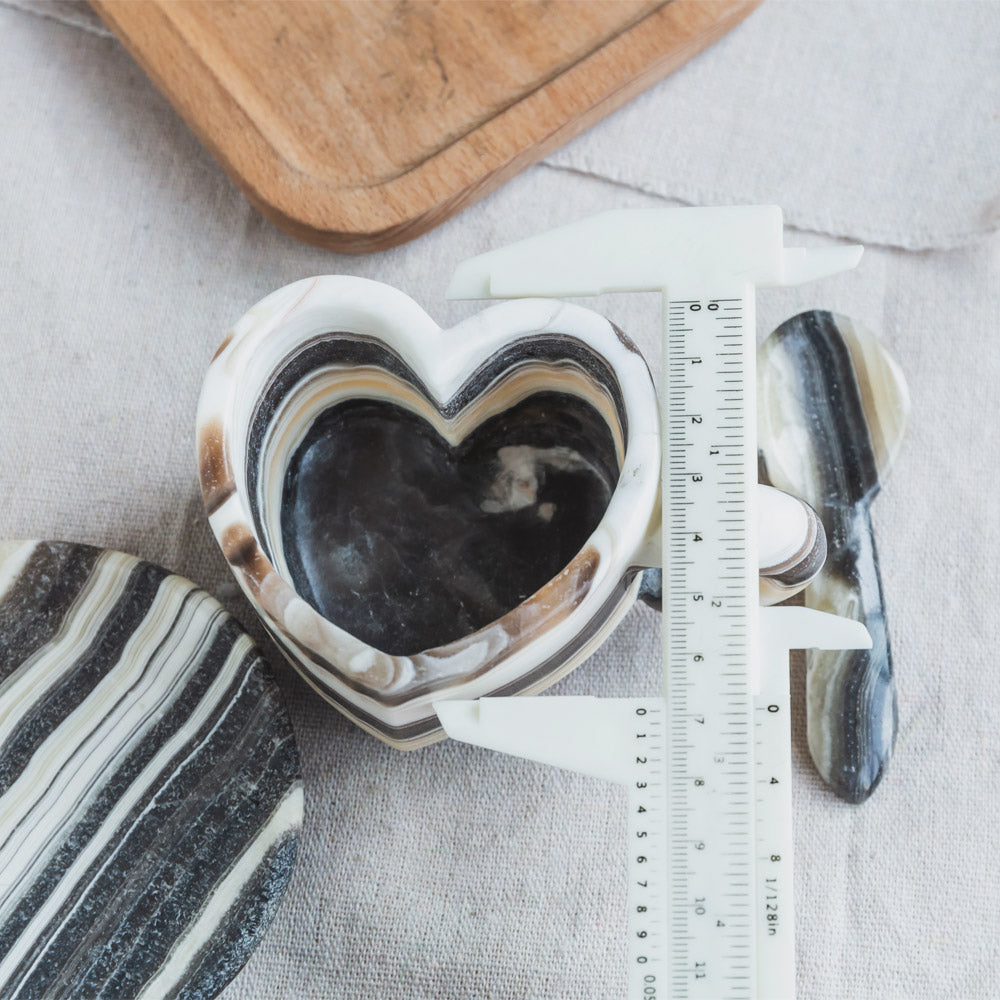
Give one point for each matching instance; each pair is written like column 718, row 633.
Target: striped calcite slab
column 150, row 795
column 832, row 412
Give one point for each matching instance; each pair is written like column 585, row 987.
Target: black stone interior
column 408, row 543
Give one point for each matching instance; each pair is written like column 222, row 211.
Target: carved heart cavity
column 409, row 541
column 418, row 513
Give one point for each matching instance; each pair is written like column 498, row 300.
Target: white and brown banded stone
column 419, row 513
column 150, row 794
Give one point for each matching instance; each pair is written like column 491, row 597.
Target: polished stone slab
column 150, row 792
column 832, row 412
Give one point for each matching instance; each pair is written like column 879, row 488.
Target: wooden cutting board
column 360, row 125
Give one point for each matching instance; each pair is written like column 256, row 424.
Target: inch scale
column 710, row 639
column 708, row 765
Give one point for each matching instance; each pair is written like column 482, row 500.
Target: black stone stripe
column 35, row 605
column 130, row 768
column 134, row 951
column 58, row 944
column 224, row 954
column 806, row 565
column 78, row 834
column 174, row 852
column 196, row 813
column 216, row 839
column 553, row 349
column 857, row 724
column 345, row 348
column 425, row 726
column 182, row 620
column 85, row 671
column 548, row 666
column 864, row 688
column 838, row 424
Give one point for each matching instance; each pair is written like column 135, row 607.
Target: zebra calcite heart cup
column 419, row 513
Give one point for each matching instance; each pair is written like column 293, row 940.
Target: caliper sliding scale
column 708, row 765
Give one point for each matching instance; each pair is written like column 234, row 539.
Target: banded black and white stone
column 150, row 792
column 419, row 513
column 832, row 412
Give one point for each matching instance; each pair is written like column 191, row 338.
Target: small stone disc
column 150, row 791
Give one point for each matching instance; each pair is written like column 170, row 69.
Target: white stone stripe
column 287, row 816
column 43, row 669
column 14, row 557
column 129, row 798
column 65, row 772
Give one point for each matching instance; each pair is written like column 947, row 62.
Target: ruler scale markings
column 707, row 766
column 696, row 657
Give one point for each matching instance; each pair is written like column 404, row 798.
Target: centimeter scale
column 708, row 765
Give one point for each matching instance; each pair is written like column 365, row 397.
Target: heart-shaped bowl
column 417, row 513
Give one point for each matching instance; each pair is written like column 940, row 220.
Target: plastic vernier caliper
column 707, row 765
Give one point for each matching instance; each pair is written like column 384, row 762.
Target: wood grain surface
column 360, row 125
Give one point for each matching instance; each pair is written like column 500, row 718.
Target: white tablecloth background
column 453, row 873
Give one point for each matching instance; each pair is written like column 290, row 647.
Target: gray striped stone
column 150, row 792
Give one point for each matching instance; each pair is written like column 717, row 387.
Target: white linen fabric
column 454, row 873
column 876, row 121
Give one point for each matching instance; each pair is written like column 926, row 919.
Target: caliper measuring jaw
column 708, row 765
